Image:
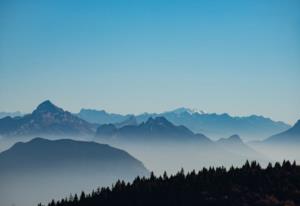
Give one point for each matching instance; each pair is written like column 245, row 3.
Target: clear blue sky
column 239, row 57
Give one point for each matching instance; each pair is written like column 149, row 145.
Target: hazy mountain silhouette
column 46, row 119
column 106, row 131
column 101, row 116
column 61, row 167
column 218, row 125
column 290, row 136
column 161, row 144
column 40, row 154
column 154, row 129
column 236, row 145
column 211, row 124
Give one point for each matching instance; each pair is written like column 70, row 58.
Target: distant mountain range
column 60, row 167
column 163, row 139
column 290, row 136
column 101, row 116
column 211, row 124
column 69, row 164
column 50, row 120
column 154, row 129
column 46, row 119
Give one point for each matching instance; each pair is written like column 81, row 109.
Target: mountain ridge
column 46, row 119
column 215, row 125
column 157, row 129
column 235, row 144
column 291, row 135
column 61, row 167
column 55, row 151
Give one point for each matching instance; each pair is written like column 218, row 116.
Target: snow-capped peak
column 188, row 110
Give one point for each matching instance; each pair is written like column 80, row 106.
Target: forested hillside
column 251, row 185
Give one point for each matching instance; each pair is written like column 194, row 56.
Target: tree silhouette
column 250, row 185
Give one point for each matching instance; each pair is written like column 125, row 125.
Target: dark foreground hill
column 249, row 185
column 41, row 169
column 54, row 155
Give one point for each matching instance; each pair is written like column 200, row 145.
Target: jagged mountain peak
column 47, row 106
column 235, row 144
column 47, row 119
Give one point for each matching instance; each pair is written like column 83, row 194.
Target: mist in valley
column 57, row 182
column 41, row 159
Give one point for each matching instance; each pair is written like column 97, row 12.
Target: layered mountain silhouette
column 46, row 119
column 50, row 120
column 101, row 116
column 161, row 144
column 211, row 124
column 290, row 136
column 154, row 129
column 218, row 125
column 236, row 145
column 61, row 167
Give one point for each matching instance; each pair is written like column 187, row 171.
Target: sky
column 238, row 57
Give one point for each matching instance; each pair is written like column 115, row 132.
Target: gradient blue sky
column 239, row 57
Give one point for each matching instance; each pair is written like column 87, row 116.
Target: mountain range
column 211, row 124
column 159, row 142
column 101, row 116
column 75, row 165
column 50, row 120
column 154, row 129
column 46, row 120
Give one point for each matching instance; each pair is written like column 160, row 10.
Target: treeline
column 277, row 184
